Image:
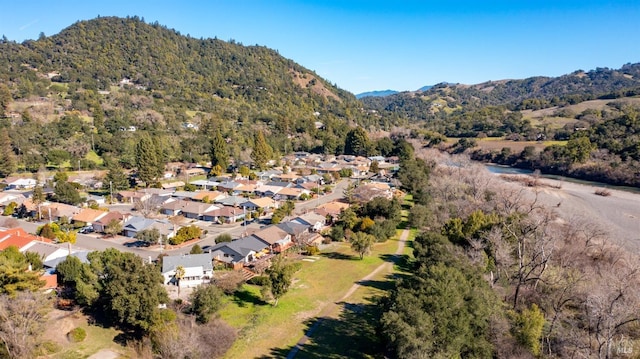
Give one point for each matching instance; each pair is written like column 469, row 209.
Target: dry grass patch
column 97, row 338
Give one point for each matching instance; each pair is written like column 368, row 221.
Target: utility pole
column 110, row 192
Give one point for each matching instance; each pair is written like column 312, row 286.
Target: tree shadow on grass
column 341, row 256
column 243, row 297
column 352, row 335
column 401, row 261
column 385, row 285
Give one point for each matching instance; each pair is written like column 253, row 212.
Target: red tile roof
column 17, row 241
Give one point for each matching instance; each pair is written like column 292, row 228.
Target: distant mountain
column 382, row 93
column 385, row 93
column 530, row 93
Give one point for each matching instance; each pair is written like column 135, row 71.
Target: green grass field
column 266, row 330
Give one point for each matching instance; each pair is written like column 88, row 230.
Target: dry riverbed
column 617, row 213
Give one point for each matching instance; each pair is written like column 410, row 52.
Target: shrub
column 77, row 335
column 312, row 250
column 603, row 192
column 224, row 237
column 49, row 347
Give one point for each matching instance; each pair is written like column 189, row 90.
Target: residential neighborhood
column 218, row 204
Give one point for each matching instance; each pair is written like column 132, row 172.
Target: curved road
column 332, row 309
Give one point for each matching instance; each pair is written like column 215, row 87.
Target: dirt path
column 333, row 309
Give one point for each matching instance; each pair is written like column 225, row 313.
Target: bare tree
column 186, row 339
column 22, row 320
column 534, row 246
column 228, row 281
column 611, row 300
column 148, row 206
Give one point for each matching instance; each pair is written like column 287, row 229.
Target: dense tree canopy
column 219, row 151
column 14, row 274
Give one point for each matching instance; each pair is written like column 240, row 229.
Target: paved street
column 337, row 193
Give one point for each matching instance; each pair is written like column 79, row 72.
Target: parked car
column 85, row 230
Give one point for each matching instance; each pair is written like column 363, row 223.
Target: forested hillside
column 530, row 93
column 592, row 117
column 88, row 87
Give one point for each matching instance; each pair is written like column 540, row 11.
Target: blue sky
column 376, row 45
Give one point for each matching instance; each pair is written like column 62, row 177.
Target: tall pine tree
column 357, row 142
column 115, row 179
column 262, row 152
column 7, row 157
column 147, row 161
column 5, row 99
column 219, row 151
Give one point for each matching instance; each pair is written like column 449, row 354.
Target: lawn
column 94, row 157
column 266, row 330
column 352, row 332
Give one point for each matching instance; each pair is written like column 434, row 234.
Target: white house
column 198, row 269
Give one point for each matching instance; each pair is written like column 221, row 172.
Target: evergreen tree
column 357, row 143
column 115, row 179
column 262, row 152
column 279, row 278
column 129, row 289
column 219, row 151
column 65, row 192
column 161, row 154
column 206, row 300
column 14, row 273
column 147, row 161
column 5, row 99
column 7, row 157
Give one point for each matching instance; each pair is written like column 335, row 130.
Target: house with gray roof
column 137, row 224
column 205, row 184
column 184, row 195
column 198, row 269
column 46, row 251
column 53, row 263
column 267, row 175
column 310, row 178
column 233, row 201
column 239, row 252
column 314, row 221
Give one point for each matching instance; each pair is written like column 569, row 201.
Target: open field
column 579, row 107
column 349, row 331
column 265, row 330
column 551, row 122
